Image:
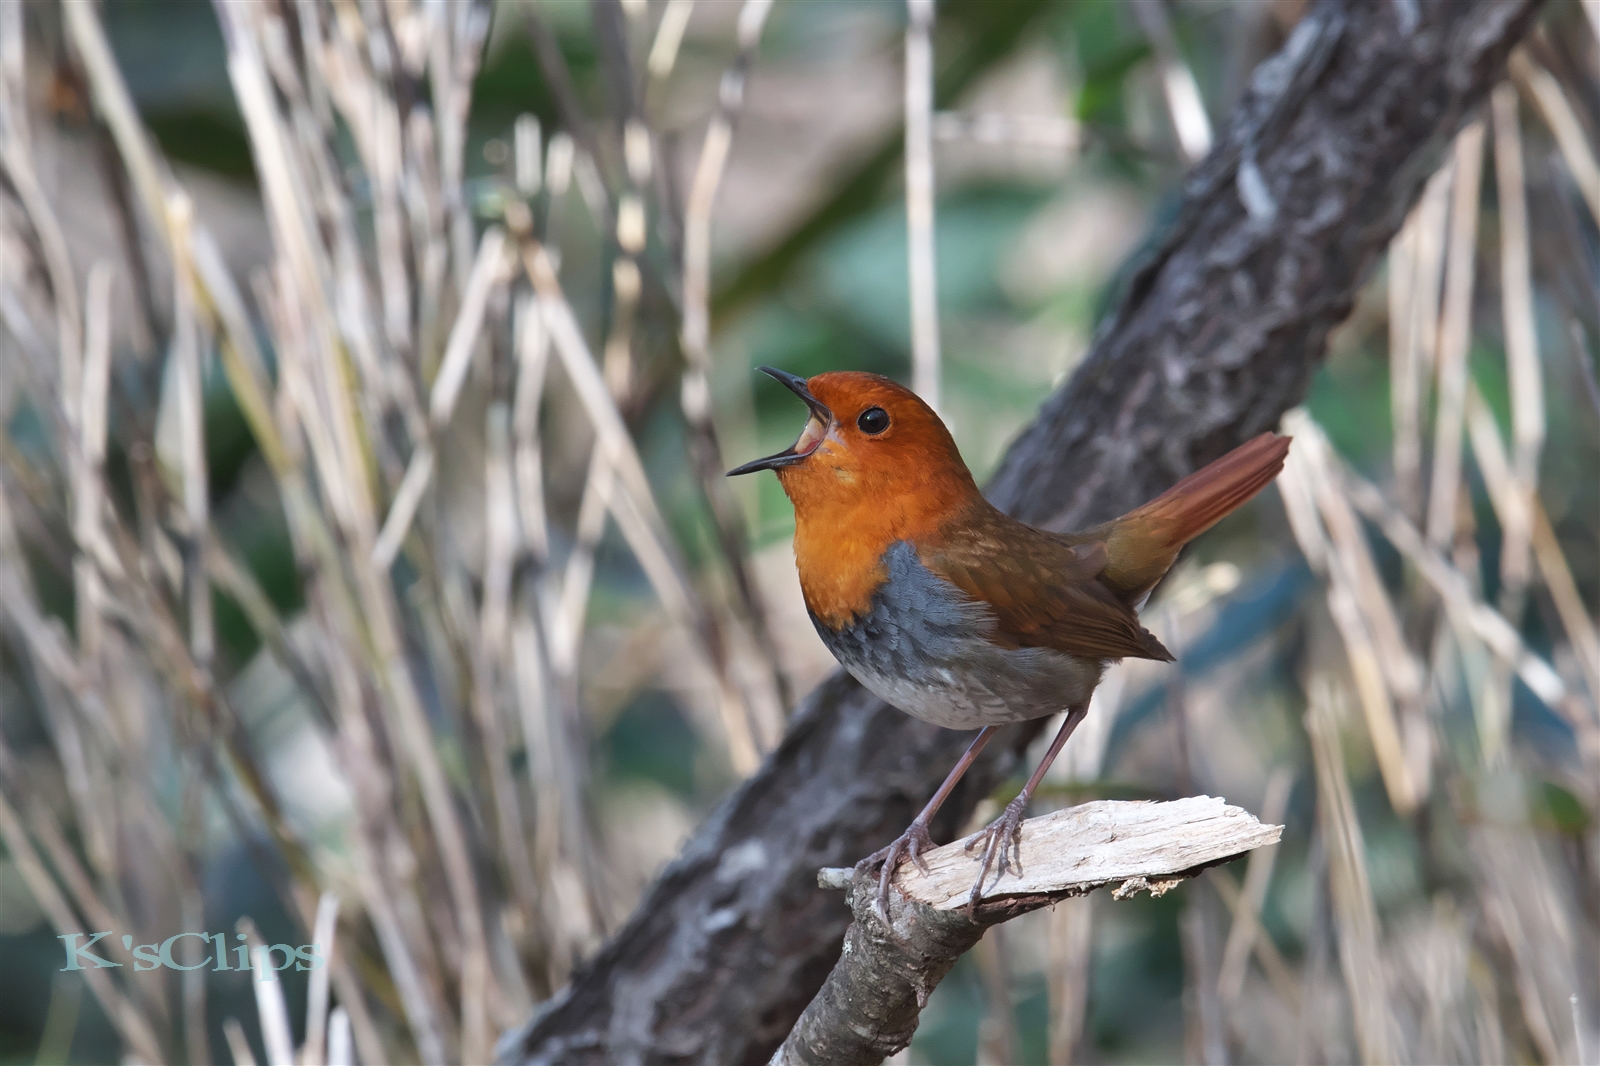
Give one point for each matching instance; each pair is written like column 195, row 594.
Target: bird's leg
column 915, row 839
column 1003, row 836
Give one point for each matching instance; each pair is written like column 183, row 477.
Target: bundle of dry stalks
column 403, row 329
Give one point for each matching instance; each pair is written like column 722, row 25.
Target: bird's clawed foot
column 912, row 843
column 1002, row 839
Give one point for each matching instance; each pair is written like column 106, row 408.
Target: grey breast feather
column 925, row 647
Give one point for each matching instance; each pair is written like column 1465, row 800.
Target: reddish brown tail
column 1144, row 543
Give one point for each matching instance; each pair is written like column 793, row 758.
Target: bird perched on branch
column 955, row 612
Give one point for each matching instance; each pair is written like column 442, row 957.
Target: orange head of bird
column 874, row 463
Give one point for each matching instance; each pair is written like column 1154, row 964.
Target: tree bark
column 1216, row 335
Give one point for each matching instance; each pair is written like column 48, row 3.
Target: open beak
column 816, row 428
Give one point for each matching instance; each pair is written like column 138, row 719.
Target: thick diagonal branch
column 1215, row 337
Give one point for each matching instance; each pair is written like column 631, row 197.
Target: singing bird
column 953, row 611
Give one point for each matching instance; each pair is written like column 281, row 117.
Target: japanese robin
column 955, row 612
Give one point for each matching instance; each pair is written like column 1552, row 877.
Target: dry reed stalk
column 1358, row 604
column 1416, row 272
column 123, row 808
column 560, row 158
column 271, row 1010
column 445, row 821
column 1281, row 978
column 452, row 64
column 744, row 709
column 565, row 627
column 1520, row 895
column 314, row 1053
column 527, row 168
column 13, row 74
column 491, row 268
column 592, row 188
column 322, row 399
column 339, row 1039
column 1522, row 351
column 490, row 652
column 533, row 658
column 1404, row 366
column 1182, row 93
column 107, row 910
column 669, row 36
column 170, row 868
column 1071, row 951
column 1468, row 613
column 129, row 1022
column 74, row 878
column 1427, row 958
column 1205, row 1031
column 920, row 250
column 1070, row 931
column 232, row 577
column 1538, row 86
column 998, row 1038
column 74, row 707
column 1060, row 132
column 374, row 122
column 329, row 411
column 1246, row 928
column 1484, row 675
column 60, row 1020
column 1321, row 1028
column 242, row 362
column 1526, row 388
column 1362, row 587
column 88, row 494
column 209, row 718
column 1455, row 336
column 16, row 160
column 408, row 701
column 1357, row 919
column 577, row 578
column 533, row 358
column 318, row 324
column 489, row 271
column 612, row 436
column 1578, row 1035
column 238, row 1043
column 193, row 479
column 617, row 362
column 1495, row 466
column 694, row 392
column 109, row 745
column 384, row 894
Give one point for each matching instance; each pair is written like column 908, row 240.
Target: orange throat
column 846, row 519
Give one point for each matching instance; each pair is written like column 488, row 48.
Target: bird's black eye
column 873, row 420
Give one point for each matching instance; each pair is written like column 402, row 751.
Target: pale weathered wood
column 869, row 1005
column 1078, row 849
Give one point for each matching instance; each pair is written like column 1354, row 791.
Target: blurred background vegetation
column 362, row 540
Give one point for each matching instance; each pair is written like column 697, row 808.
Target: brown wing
column 1045, row 592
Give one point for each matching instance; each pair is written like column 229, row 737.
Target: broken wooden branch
column 869, row 1006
